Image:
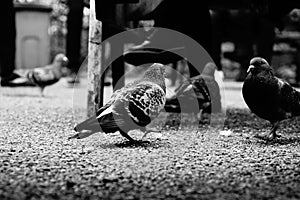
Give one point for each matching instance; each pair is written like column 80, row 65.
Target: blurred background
column 42, row 31
column 237, row 36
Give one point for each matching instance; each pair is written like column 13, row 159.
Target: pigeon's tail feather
column 106, row 124
column 82, row 134
column 89, row 124
column 87, row 128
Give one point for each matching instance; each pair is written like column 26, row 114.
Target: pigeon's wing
column 44, row 74
column 114, row 97
column 132, row 108
column 106, row 121
column 113, row 117
column 142, row 103
column 109, row 117
column 117, row 95
column 289, row 98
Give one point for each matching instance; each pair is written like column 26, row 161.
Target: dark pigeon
column 269, row 97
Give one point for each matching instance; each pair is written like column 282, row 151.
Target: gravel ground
column 38, row 162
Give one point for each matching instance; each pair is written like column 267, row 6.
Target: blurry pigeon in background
column 201, row 92
column 132, row 107
column 49, row 74
column 268, row 96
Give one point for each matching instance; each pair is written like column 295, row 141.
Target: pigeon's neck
column 262, row 73
column 155, row 78
column 159, row 81
column 56, row 69
column 266, row 73
column 56, row 64
column 155, row 74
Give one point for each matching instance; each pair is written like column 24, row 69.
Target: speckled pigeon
column 49, row 74
column 269, row 97
column 132, row 107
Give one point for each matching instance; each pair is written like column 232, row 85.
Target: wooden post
column 95, row 71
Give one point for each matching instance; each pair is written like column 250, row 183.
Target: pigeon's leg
column 199, row 117
column 127, row 136
column 41, row 91
column 131, row 140
column 272, row 134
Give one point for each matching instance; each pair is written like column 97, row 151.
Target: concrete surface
column 187, row 162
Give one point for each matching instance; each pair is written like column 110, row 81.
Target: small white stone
column 226, row 132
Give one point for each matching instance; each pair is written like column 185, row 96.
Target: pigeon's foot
column 268, row 137
column 262, row 136
column 273, row 136
column 124, row 134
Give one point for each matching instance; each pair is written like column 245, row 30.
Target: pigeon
column 200, row 92
column 132, row 107
column 269, row 97
column 49, row 74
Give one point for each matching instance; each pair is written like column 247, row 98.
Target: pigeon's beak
column 65, row 59
column 250, row 68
